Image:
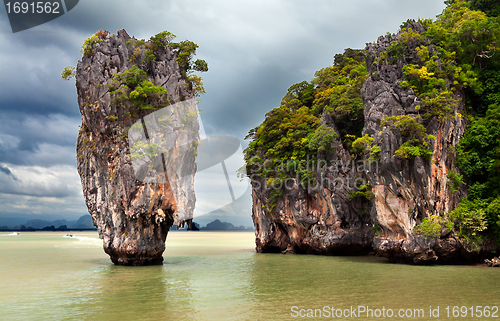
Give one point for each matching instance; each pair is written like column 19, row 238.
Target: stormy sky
column 255, row 50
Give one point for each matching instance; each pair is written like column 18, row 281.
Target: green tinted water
column 218, row 276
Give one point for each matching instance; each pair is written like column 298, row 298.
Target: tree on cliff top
column 490, row 7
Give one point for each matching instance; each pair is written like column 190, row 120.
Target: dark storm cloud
column 27, row 139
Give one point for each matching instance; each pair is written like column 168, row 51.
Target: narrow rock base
column 137, row 261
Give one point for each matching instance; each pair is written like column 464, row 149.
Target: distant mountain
column 237, row 213
column 217, row 225
column 84, row 222
column 40, row 224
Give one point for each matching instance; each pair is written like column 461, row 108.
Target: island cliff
column 367, row 157
column 137, row 143
column 408, row 190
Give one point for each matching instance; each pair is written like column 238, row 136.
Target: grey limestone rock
column 325, row 220
column 133, row 213
column 406, row 190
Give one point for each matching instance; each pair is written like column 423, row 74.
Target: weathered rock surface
column 326, row 220
column 322, row 219
column 133, row 213
column 406, row 191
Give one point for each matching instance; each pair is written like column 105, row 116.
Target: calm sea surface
column 218, row 276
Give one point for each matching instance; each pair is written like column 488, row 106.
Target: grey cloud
column 58, row 182
column 7, row 171
column 37, row 139
column 13, row 205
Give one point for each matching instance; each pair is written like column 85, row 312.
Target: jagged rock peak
column 137, row 144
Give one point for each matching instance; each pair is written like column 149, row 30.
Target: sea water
column 218, row 276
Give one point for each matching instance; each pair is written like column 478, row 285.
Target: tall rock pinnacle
column 137, row 144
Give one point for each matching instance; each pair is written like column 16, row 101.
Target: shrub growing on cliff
column 200, row 65
column 338, row 91
column 432, row 226
column 149, row 56
column 197, row 84
column 429, row 227
column 455, row 181
column 283, row 138
column 273, row 200
column 140, row 150
column 68, row 73
column 363, row 146
column 470, row 221
column 362, row 191
column 322, row 139
column 133, row 87
column 436, row 99
column 417, row 139
column 89, row 43
column 185, row 51
column 163, row 39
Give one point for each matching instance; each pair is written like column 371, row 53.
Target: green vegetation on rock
column 467, row 34
column 362, row 146
column 455, row 181
column 337, row 90
column 68, row 73
column 89, row 43
column 291, row 134
column 132, row 86
column 416, row 135
column 432, row 226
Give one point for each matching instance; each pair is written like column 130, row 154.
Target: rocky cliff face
column 406, row 191
column 319, row 219
column 136, row 164
column 327, row 219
